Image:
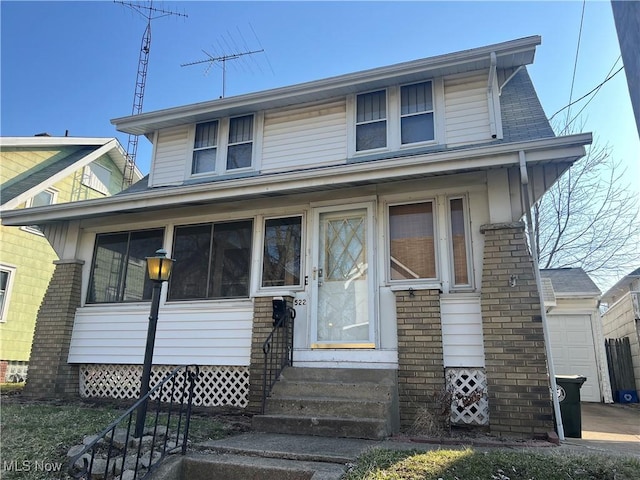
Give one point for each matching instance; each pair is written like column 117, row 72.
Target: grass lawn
column 36, row 436
column 469, row 464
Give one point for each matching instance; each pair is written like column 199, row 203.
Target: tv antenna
column 228, row 49
column 149, row 12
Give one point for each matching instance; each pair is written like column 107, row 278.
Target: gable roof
column 511, row 54
column 83, row 151
column 570, row 282
column 621, row 286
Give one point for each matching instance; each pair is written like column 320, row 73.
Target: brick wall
column 49, row 373
column 262, row 326
column 420, row 357
column 516, row 366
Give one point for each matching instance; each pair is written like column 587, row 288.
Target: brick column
column 420, row 357
column 262, row 326
column 515, row 355
column 49, row 373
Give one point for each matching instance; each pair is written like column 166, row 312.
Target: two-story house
column 384, row 205
column 40, row 171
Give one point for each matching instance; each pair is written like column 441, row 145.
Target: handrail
column 109, row 454
column 278, row 352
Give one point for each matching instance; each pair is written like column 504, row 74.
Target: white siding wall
column 186, row 333
column 466, row 109
column 171, row 154
column 462, row 331
column 305, row 137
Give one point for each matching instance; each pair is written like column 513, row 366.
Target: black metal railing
column 278, row 352
column 116, row 449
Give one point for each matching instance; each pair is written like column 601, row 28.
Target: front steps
column 332, row 402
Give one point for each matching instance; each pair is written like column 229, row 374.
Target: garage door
column 573, row 351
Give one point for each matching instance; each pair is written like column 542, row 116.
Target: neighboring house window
column 212, row 261
column 281, row 255
column 459, row 242
column 371, row 120
column 416, row 113
column 6, row 279
column 97, row 178
column 412, row 252
column 46, row 197
column 240, row 142
column 119, row 269
column 205, row 148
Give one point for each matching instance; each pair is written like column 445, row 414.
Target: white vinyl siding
column 305, row 137
column 462, row 341
column 467, row 111
column 172, row 151
column 186, row 334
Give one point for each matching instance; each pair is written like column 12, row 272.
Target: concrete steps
column 333, row 402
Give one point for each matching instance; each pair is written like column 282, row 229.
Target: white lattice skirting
column 217, row 386
column 468, row 387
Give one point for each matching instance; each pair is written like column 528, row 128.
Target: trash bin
column 569, row 397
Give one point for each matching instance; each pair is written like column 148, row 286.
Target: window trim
column 4, row 306
column 222, row 146
column 453, row 286
column 387, row 119
column 261, row 242
column 29, row 204
column 193, row 148
column 432, row 111
column 436, row 248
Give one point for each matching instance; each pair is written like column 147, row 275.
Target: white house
column 384, row 205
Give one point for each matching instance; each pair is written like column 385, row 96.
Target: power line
column 575, row 62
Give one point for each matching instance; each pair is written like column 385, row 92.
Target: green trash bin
column 569, row 397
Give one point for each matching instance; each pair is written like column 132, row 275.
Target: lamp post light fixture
column 159, row 268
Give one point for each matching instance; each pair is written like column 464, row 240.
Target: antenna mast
column 149, row 12
column 223, row 59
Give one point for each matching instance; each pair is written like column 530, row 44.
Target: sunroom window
column 459, row 233
column 412, row 241
column 371, row 120
column 281, row 254
column 213, row 261
column 205, row 148
column 416, row 113
column 119, row 268
column 240, row 142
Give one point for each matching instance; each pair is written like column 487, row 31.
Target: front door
column 342, row 280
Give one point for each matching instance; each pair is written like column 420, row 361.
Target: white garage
column 577, row 343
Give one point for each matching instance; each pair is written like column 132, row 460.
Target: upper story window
column 119, row 269
column 42, row 199
column 205, row 148
column 416, row 113
column 6, row 278
column 412, row 253
column 97, row 178
column 371, row 120
column 213, row 261
column 240, row 142
column 223, row 145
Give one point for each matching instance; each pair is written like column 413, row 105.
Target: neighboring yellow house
column 37, row 171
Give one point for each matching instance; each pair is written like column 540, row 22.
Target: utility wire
column 575, row 62
column 587, row 94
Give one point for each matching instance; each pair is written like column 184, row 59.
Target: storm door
column 342, row 280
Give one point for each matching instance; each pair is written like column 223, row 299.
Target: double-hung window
column 281, row 254
column 240, row 147
column 205, row 148
column 119, row 269
column 412, row 253
column 213, row 261
column 371, row 120
column 416, row 113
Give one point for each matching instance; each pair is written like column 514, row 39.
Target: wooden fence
column 620, row 366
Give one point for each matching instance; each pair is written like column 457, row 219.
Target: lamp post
column 159, row 268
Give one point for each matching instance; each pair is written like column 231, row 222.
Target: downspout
column 524, row 178
column 490, row 93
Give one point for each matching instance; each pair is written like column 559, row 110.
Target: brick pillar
column 262, row 326
column 515, row 355
column 420, row 357
column 49, row 373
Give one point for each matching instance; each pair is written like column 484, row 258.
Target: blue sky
column 72, row 65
